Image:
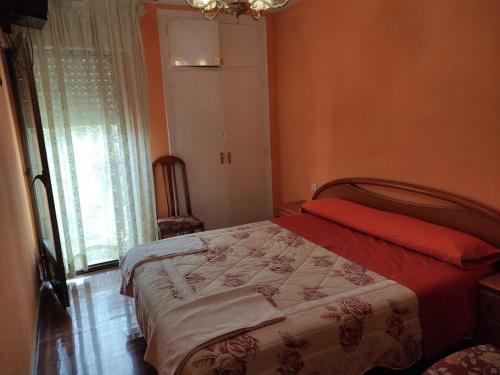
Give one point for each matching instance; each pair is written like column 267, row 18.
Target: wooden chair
column 170, row 180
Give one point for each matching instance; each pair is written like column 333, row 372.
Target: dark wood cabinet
column 488, row 324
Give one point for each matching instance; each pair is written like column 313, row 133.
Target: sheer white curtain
column 91, row 83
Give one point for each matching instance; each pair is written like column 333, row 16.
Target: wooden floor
column 97, row 334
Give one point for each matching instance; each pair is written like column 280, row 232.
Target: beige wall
column 403, row 90
column 18, row 276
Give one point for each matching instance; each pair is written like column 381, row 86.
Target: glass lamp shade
column 203, row 4
column 259, row 5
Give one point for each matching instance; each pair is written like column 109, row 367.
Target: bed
column 371, row 273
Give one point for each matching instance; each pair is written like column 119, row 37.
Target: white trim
column 267, row 123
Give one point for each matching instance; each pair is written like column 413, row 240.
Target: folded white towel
column 202, row 321
column 180, row 245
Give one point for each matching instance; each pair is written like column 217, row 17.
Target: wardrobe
column 216, row 97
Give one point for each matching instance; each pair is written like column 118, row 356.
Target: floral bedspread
column 479, row 360
column 340, row 317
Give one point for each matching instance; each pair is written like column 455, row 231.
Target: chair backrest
column 170, row 180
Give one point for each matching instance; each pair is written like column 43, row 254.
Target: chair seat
column 179, row 223
column 482, row 359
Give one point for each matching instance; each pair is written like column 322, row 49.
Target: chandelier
column 212, row 8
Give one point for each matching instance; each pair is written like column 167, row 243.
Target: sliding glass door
column 21, row 72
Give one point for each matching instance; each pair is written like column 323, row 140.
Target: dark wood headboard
column 420, row 202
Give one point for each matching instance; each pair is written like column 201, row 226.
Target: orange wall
column 157, row 115
column 404, row 90
column 18, row 276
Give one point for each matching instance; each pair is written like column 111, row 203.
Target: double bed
column 371, row 273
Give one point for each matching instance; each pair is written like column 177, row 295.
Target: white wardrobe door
column 193, row 43
column 241, row 45
column 198, row 139
column 243, row 103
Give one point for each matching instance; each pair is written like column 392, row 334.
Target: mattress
column 351, row 301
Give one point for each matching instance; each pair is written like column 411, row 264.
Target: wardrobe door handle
column 221, row 157
column 229, row 158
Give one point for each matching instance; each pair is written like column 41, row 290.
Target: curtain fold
column 91, row 84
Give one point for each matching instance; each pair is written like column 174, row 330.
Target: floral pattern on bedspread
column 479, row 360
column 229, row 356
column 340, row 317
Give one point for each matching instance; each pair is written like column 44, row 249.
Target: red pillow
column 439, row 242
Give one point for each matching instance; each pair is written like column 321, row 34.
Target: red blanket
column 446, row 293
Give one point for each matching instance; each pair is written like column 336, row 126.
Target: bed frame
column 427, row 204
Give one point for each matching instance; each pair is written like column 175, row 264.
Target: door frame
column 163, row 16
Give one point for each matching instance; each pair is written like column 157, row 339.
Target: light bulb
column 204, row 4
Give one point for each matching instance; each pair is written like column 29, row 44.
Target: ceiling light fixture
column 212, row 8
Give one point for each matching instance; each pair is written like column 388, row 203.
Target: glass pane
column 42, row 204
column 90, row 188
column 28, row 120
